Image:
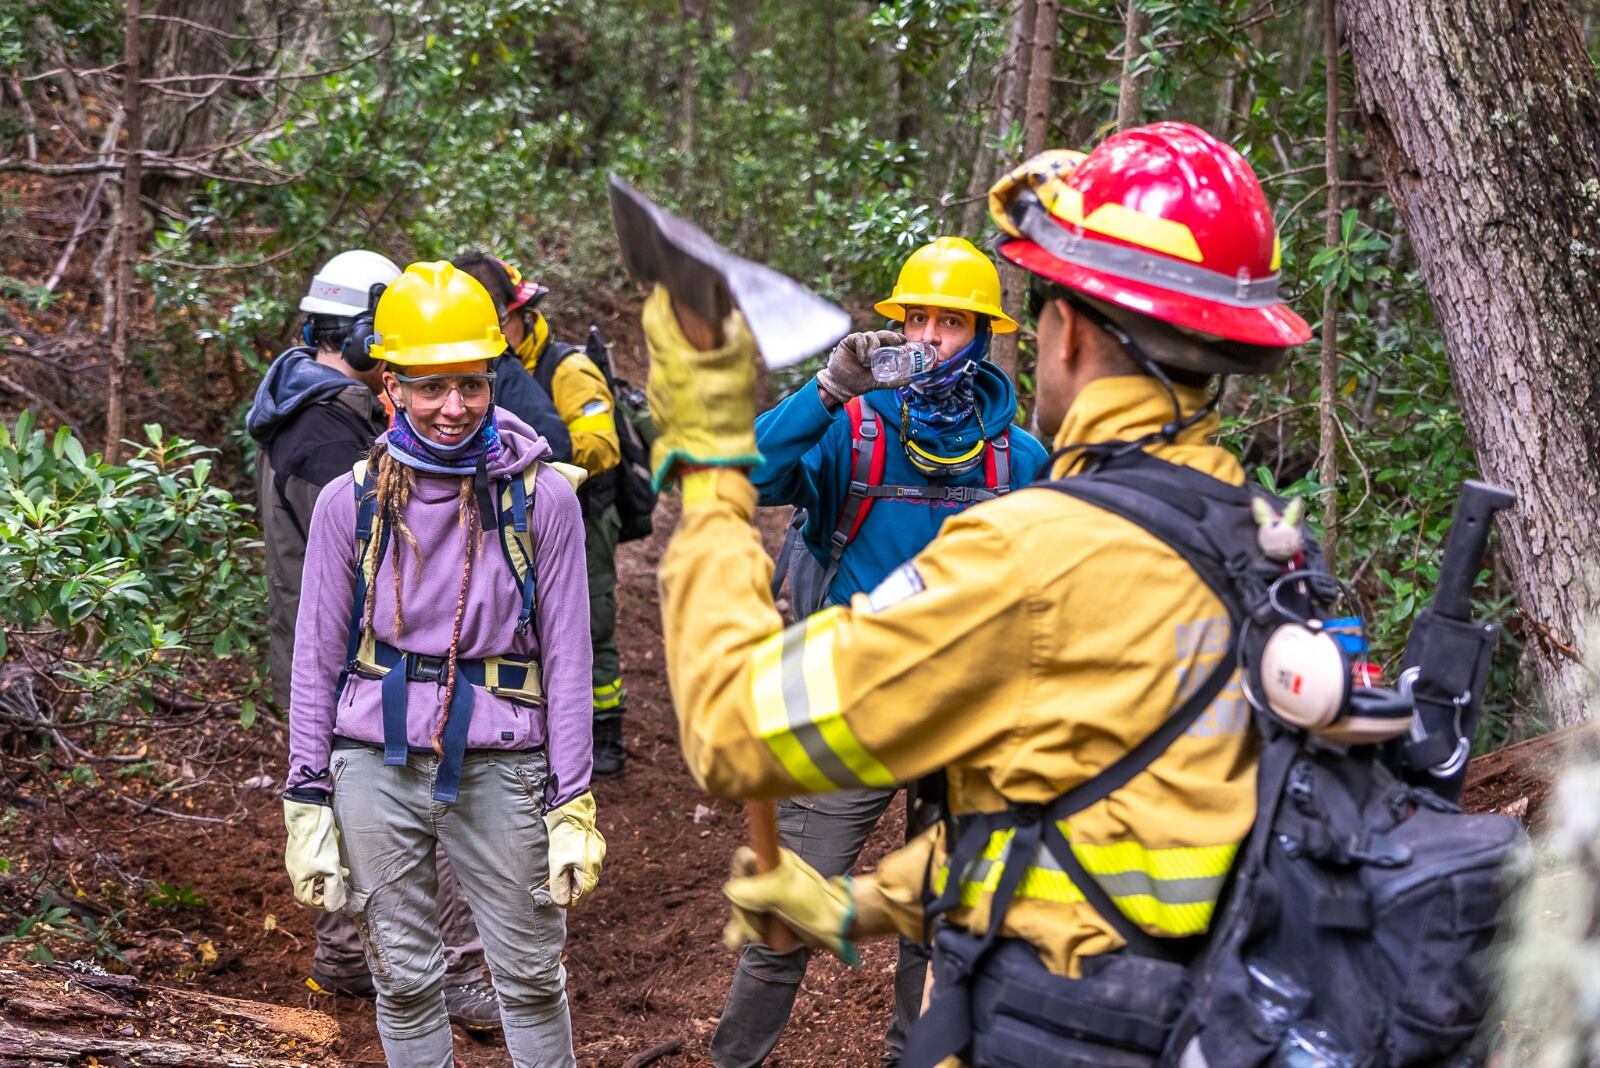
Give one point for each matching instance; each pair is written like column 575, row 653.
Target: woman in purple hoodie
column 441, row 686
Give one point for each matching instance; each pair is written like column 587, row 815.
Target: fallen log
column 68, row 1014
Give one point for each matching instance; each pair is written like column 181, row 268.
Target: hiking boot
column 473, row 1006
column 352, row 986
column 608, row 752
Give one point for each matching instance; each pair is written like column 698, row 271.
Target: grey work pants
column 339, row 953
column 828, row 832
column 390, row 829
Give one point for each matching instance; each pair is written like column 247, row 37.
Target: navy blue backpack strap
column 365, row 489
column 518, row 540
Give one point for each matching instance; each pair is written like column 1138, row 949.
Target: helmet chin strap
column 1170, row 431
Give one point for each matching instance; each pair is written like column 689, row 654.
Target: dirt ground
column 644, row 956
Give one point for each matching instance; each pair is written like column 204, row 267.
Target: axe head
column 788, row 321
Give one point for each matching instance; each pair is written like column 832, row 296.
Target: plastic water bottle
column 1311, row 1045
column 895, row 365
column 1276, row 996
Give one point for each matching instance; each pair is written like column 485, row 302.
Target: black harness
column 1208, row 522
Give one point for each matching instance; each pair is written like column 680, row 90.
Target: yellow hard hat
column 948, row 273
column 436, row 314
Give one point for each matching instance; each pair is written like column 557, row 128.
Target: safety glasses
column 435, row 388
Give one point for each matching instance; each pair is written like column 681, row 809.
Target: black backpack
column 1372, row 901
column 628, row 485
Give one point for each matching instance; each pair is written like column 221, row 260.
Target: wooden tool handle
column 764, row 840
column 699, row 333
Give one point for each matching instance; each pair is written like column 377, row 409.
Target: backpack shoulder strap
column 997, row 464
column 365, row 487
column 868, row 456
column 544, row 372
column 516, row 500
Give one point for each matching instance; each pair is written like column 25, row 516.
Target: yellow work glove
column 312, row 855
column 819, row 911
column 703, row 403
column 1045, row 175
column 577, row 850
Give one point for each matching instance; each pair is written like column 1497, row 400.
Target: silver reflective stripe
column 797, row 702
column 1139, row 266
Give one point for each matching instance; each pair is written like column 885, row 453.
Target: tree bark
column 1008, row 103
column 126, row 309
column 1130, row 95
column 1328, row 416
column 1486, row 120
column 1036, row 130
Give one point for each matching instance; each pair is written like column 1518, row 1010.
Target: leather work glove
column 703, row 403
column 576, row 850
column 1045, row 175
column 849, row 370
column 819, row 911
column 312, row 855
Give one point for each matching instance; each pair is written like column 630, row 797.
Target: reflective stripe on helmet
column 798, row 714
column 1173, row 891
column 1037, row 226
column 1122, row 222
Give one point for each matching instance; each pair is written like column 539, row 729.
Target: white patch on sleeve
column 595, row 407
column 904, row 582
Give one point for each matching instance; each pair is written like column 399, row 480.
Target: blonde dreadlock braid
column 394, row 483
column 467, row 514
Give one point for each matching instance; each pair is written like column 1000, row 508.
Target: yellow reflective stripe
column 1123, row 223
column 1179, row 920
column 1173, row 891
column 796, row 697
column 592, row 424
column 822, row 686
column 608, row 696
column 772, row 718
column 1176, row 862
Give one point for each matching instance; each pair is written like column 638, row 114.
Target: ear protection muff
column 361, row 337
column 305, row 333
column 1303, row 675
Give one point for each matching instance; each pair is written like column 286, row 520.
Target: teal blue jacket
column 807, row 456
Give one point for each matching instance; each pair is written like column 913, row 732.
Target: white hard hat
column 342, row 285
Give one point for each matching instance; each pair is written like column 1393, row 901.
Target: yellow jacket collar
column 1126, row 408
column 533, row 342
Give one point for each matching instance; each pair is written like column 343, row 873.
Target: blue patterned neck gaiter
column 944, row 396
column 410, row 448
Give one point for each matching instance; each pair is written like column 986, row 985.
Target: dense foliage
column 115, row 577
column 828, row 138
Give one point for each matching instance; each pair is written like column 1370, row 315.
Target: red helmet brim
column 1276, row 325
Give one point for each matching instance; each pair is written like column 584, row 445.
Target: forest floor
column 644, row 956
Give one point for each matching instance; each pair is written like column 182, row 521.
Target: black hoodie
column 312, row 424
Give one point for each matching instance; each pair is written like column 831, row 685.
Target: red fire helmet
column 1163, row 220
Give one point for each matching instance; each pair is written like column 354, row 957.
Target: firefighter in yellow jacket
column 585, row 403
column 1032, row 644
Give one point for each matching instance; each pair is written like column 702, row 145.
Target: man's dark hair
column 492, row 273
column 329, row 331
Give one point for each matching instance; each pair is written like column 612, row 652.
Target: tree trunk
column 53, row 1014
column 1007, row 106
column 127, row 306
column 1036, row 130
column 1328, row 442
column 1486, row 119
column 1130, row 95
